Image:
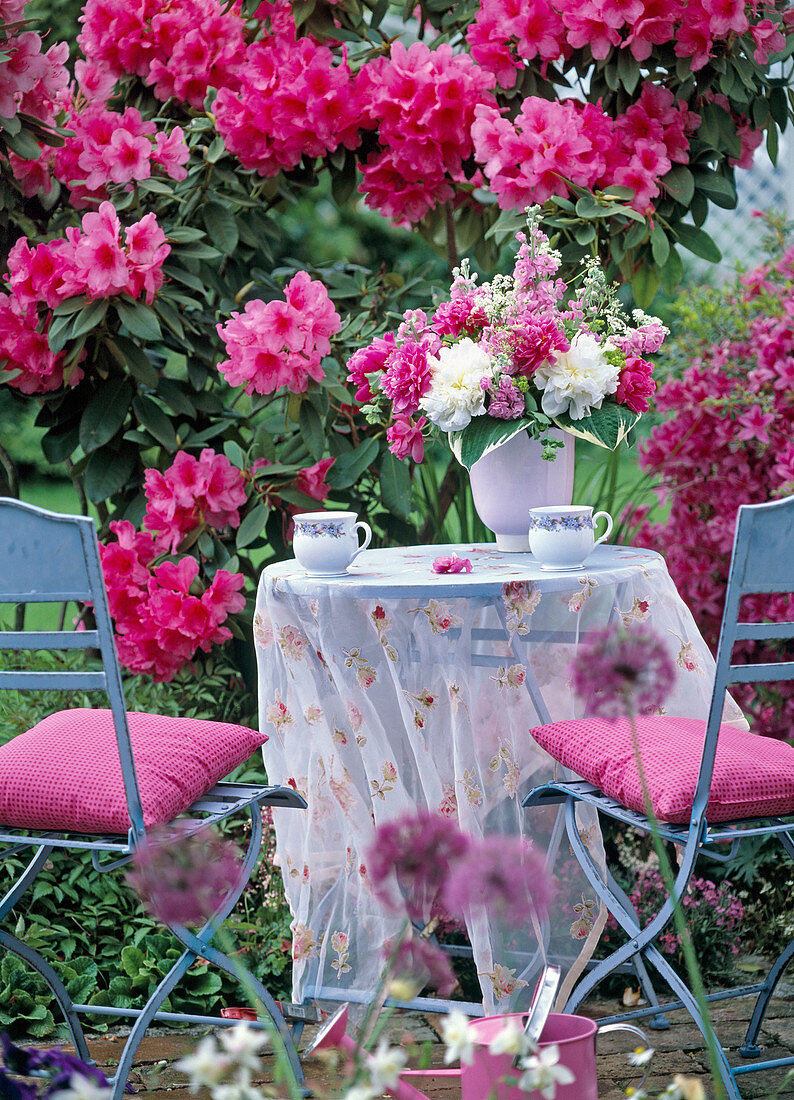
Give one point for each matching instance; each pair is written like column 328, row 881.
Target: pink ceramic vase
column 509, row 481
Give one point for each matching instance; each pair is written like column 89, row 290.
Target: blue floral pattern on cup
column 334, row 529
column 561, row 523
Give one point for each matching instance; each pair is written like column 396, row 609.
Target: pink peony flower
column 635, row 385
column 405, row 437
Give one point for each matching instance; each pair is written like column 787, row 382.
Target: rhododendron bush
column 189, row 365
column 728, row 439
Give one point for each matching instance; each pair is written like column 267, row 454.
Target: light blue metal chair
column 51, row 558
column 762, row 562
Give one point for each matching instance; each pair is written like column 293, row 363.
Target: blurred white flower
column 205, row 1066
column 457, row 1038
column 576, row 381
column 455, row 394
column 242, row 1043
column 641, row 1056
column 510, row 1040
column 385, row 1065
column 543, row 1072
column 83, row 1088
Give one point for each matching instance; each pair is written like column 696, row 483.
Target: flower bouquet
column 525, row 352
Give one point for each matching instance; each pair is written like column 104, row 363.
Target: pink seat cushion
column 65, row 773
column 753, row 775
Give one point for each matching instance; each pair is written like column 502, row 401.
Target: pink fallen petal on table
column 452, row 564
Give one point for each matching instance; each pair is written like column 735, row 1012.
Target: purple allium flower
column 505, row 875
column 418, row 959
column 419, row 849
column 180, row 875
column 621, row 672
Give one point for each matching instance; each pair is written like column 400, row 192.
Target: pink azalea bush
column 726, row 440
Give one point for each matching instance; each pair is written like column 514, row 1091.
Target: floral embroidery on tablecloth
column 339, row 944
column 304, row 945
column 637, row 613
column 382, row 623
column 350, row 860
column 263, row 629
column 382, row 786
column 583, row 925
column 313, row 714
column 577, row 600
column 356, row 720
column 471, row 787
column 512, row 677
column 456, row 698
column 504, row 757
column 279, row 715
column 686, row 658
column 365, row 673
column 440, row 615
column 420, row 701
column 342, row 788
column 448, row 806
column 339, row 736
column 520, row 599
column 503, row 980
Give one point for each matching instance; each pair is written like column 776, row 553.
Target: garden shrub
column 728, row 439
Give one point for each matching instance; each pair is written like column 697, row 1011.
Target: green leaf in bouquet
column 606, row 426
column 482, row 435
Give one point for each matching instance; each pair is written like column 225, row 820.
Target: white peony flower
column 457, row 1038
column 83, row 1088
column 578, row 380
column 455, row 395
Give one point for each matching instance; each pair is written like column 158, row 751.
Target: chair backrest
column 46, row 557
column 762, row 562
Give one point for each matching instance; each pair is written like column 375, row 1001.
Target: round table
column 393, row 687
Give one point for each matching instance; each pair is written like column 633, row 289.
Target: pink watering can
column 575, row 1037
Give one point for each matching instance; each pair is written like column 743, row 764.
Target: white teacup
column 561, row 538
column 325, row 543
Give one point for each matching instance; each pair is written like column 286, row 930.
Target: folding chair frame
column 44, row 547
column 763, row 547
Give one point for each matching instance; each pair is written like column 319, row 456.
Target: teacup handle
column 608, row 532
column 365, row 527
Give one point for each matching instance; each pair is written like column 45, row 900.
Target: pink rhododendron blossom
column 293, row 100
column 180, row 47
column 405, row 438
column 311, row 480
column 162, row 613
column 451, row 563
column 275, row 344
column 422, row 103
column 25, row 355
column 505, row 33
column 193, row 491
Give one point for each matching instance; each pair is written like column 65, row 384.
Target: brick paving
column 678, row 1050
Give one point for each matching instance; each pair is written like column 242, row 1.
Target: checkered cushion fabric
column 64, row 773
column 753, row 775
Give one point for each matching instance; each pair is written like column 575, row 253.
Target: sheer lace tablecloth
column 393, row 688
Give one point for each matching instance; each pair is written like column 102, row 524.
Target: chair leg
column 750, row 1048
column 659, row 1022
column 34, row 959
